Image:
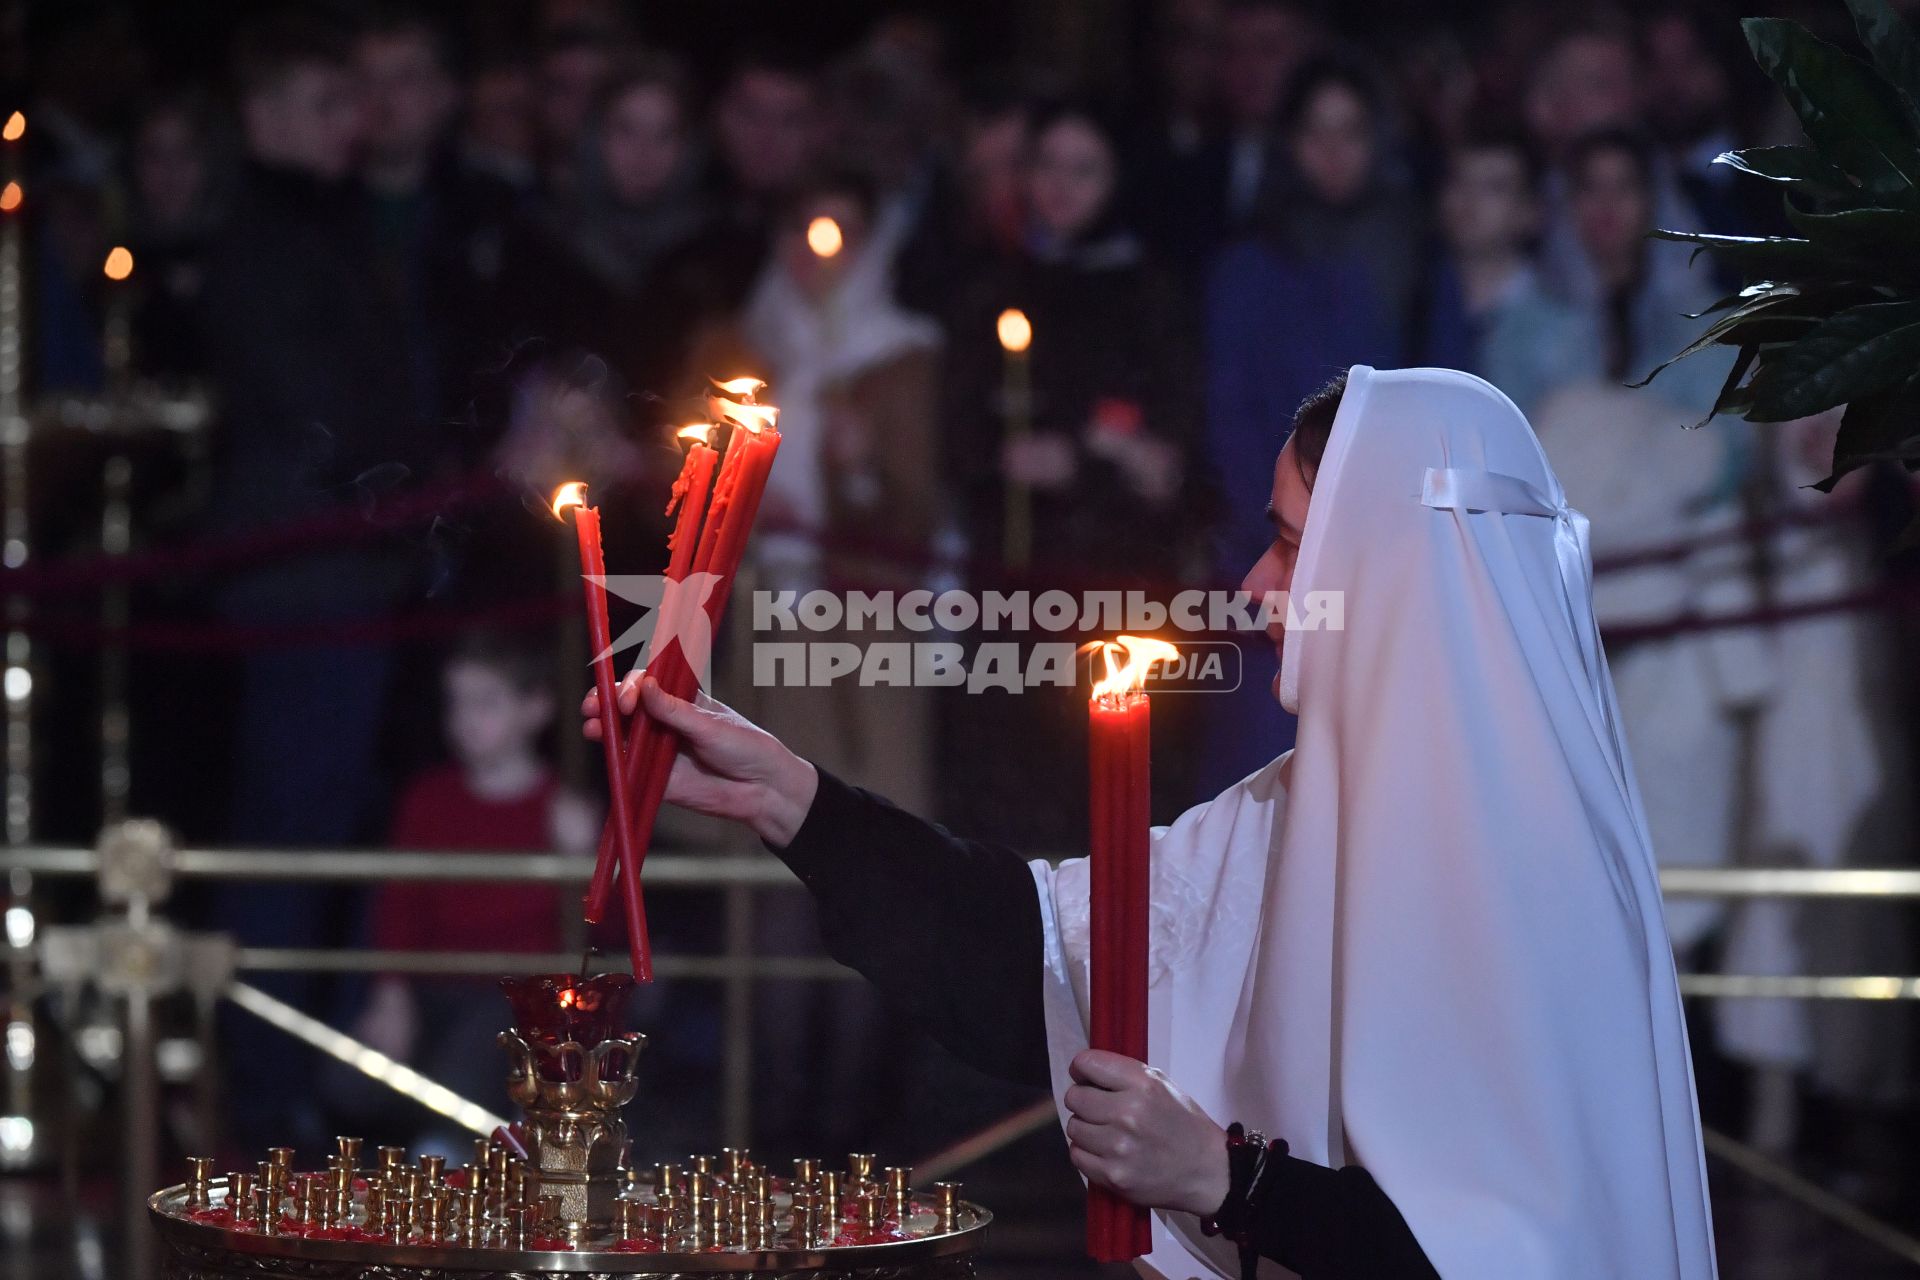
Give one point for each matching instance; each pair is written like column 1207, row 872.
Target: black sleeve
column 1334, row 1224
column 948, row 929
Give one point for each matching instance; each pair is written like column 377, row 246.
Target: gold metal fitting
column 703, row 1164
column 349, row 1152
column 392, row 1159
column 434, row 1229
column 281, row 1158
column 376, row 1219
column 830, row 1191
column 667, row 1181
column 434, row 1167
column 897, row 1192
column 199, row 1176
column 733, row 1162
column 699, row 1187
column 947, row 1201
column 805, row 1170
column 860, row 1167
column 519, row 1224
column 626, row 1219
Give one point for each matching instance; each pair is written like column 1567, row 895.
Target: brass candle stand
column 575, row 1140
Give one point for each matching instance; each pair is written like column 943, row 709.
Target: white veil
column 1429, row 940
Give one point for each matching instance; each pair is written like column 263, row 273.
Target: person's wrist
column 1215, row 1179
column 786, row 799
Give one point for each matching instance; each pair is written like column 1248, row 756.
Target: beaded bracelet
column 1247, row 1156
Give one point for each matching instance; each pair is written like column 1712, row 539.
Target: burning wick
column 16, row 127
column 698, row 432
column 1129, row 674
column 571, row 494
column 1016, row 331
column 120, row 265
column 824, row 238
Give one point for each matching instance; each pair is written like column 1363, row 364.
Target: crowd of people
column 400, row 256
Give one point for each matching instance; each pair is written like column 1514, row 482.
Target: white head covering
column 1429, row 941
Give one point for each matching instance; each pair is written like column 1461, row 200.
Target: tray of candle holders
column 405, row 1222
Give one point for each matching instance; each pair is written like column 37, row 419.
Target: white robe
column 1429, row 940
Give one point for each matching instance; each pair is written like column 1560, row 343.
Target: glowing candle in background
column 824, row 237
column 1016, row 405
column 117, row 345
column 1120, row 884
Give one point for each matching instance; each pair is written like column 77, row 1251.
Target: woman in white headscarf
column 1424, row 949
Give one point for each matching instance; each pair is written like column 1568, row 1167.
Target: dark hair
column 269, row 50
column 648, row 71
column 1613, row 139
column 1313, row 425
column 407, row 21
column 1482, row 136
column 1328, row 70
column 512, row 657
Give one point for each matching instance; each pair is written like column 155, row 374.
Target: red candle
column 593, row 567
column 1119, row 888
column 689, row 498
column 729, row 519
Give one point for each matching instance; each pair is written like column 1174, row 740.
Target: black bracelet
column 1247, row 1158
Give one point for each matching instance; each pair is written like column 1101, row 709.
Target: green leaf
column 1775, row 256
column 1764, row 288
column 1892, row 45
column 1730, row 396
column 1861, row 232
column 1849, row 113
column 1853, row 354
column 1801, row 165
column 1716, row 333
column 1876, row 428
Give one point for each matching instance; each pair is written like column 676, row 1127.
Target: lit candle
column 593, row 570
column 117, row 348
column 687, row 504
column 824, row 237
column 1016, row 399
column 1120, row 881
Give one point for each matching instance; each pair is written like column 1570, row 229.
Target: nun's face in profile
column 1287, row 511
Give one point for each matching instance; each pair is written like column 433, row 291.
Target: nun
column 1422, row 953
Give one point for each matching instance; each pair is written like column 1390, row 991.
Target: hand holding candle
column 1119, row 870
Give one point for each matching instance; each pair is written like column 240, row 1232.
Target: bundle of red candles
column 1120, row 881
column 712, row 519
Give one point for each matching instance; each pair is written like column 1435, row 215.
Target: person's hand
column 1043, row 460
column 727, row 767
column 1132, row 1131
column 390, row 1022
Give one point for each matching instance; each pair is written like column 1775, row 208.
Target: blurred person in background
column 1520, row 338
column 769, row 131
column 1343, row 193
column 980, row 219
column 496, row 793
column 308, row 354
column 570, row 73
column 180, row 175
column 582, row 267
column 498, row 133
column 440, row 224
column 1639, row 313
column 1107, row 466
column 1177, row 159
column 1689, row 97
column 1590, row 80
column 882, row 113
column 1264, row 43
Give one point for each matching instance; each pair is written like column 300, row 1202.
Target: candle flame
column 700, row 431
column 754, row 417
column 16, row 127
column 824, row 238
column 119, row 262
column 1016, row 331
column 746, row 388
column 569, row 998
column 1129, row 659
column 571, row 494
column 10, row 198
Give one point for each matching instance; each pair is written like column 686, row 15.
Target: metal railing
column 738, row 966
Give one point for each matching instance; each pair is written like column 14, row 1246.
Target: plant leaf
column 1851, row 115
column 1788, row 164
column 1716, row 333
column 1848, row 356
column 1894, row 48
column 1876, row 428
column 1730, row 396
column 1868, row 231
column 1776, row 256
